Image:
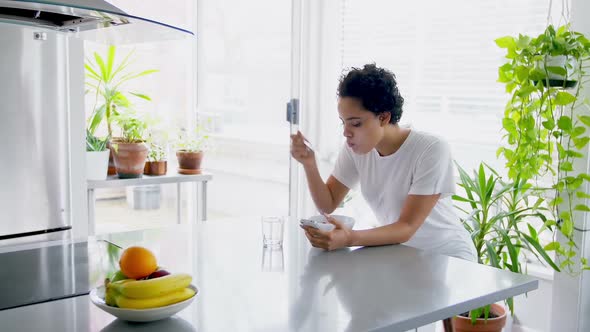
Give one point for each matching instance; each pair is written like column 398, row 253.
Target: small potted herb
column 156, row 163
column 189, row 150
column 130, row 151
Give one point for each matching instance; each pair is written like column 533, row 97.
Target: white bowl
column 139, row 315
column 347, row 221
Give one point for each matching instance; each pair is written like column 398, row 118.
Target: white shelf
column 114, row 181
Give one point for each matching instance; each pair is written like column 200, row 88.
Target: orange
column 137, row 262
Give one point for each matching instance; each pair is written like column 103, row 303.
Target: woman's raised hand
column 301, row 151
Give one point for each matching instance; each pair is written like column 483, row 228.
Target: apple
column 118, row 276
column 158, row 274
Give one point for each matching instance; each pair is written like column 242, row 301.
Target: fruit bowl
column 139, row 315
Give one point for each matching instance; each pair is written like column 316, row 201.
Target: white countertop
column 244, row 287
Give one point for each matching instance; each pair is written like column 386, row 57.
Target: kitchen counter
column 245, row 287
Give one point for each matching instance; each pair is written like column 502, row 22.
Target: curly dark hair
column 376, row 88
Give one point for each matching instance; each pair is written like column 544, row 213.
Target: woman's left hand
column 337, row 238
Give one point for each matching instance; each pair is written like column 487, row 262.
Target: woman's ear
column 384, row 118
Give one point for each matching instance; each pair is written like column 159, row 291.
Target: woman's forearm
column 320, row 193
column 395, row 233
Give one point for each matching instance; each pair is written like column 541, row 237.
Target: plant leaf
column 511, row 249
column 110, row 61
column 132, row 76
column 564, row 123
column 96, row 118
column 506, row 42
column 101, row 66
column 493, row 256
column 541, row 251
column 564, row 98
column 585, row 119
column 552, row 246
column 557, row 70
column 141, row 95
column 582, row 207
column 510, row 303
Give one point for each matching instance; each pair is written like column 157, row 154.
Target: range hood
column 88, row 19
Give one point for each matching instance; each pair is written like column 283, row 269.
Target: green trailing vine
column 546, row 125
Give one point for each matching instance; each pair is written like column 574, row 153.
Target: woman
column 406, row 176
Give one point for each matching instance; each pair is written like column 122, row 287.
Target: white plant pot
column 97, row 165
column 560, row 61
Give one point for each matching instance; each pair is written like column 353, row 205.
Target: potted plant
column 156, row 163
column 545, row 129
column 190, row 148
column 106, row 79
column 129, row 150
column 97, row 157
column 498, row 214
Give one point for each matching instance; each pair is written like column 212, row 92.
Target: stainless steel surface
column 91, row 211
column 82, row 18
column 393, row 288
column 33, row 132
column 43, row 274
column 40, row 35
column 64, row 15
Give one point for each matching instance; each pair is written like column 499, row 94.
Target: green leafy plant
column 106, row 79
column 133, row 127
column 545, row 127
column 499, row 216
column 95, row 144
column 157, row 152
column 198, row 140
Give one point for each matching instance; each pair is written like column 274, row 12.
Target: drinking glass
column 272, row 231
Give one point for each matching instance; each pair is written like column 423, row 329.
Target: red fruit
column 158, row 274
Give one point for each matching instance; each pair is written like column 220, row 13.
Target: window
column 446, row 62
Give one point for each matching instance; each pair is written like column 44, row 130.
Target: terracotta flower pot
column 129, row 159
column 463, row 324
column 112, row 170
column 155, row 167
column 189, row 162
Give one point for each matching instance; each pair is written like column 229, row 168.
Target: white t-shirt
column 421, row 166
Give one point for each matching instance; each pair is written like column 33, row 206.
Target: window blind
column 446, row 62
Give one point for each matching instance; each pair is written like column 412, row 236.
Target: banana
column 143, row 289
column 154, row 302
column 109, row 297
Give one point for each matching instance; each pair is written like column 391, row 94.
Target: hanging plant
column 545, row 126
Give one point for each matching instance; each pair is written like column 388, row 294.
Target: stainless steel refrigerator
column 34, row 149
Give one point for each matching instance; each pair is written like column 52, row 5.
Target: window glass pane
column 243, row 85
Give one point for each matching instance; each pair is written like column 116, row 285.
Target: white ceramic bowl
column 347, row 221
column 139, row 315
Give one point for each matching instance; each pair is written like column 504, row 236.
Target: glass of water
column 273, row 260
column 272, row 231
